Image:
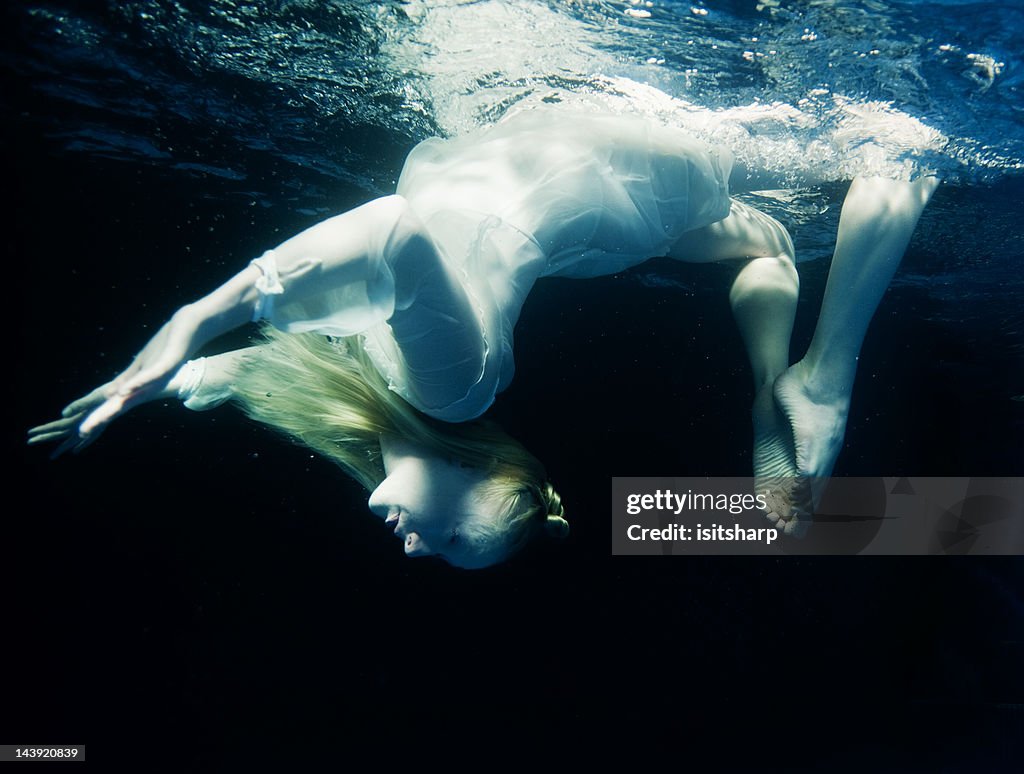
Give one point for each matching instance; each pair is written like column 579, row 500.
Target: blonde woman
column 390, row 326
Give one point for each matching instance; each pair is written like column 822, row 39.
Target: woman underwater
column 391, row 325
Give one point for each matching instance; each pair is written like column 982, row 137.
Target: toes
column 777, row 503
column 788, row 506
column 798, row 525
column 797, row 528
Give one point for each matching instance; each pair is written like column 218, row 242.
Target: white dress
column 543, row 193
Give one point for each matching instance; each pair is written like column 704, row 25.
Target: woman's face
column 434, row 505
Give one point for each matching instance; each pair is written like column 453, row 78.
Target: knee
column 771, row 278
column 777, row 242
column 765, row 236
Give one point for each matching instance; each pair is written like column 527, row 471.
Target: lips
column 392, row 520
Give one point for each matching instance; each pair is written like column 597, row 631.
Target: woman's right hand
column 66, row 429
column 147, row 378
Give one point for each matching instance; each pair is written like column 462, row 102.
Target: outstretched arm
column 342, row 250
column 200, row 384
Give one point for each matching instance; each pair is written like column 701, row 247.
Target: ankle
column 824, row 387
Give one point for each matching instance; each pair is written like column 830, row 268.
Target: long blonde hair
column 327, row 394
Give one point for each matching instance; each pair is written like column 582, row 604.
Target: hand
column 66, row 429
column 147, row 378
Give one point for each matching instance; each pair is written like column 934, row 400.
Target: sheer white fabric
column 543, row 193
column 599, row 193
column 267, row 286
column 338, row 310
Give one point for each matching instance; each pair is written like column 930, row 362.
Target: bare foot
column 775, row 469
column 818, row 422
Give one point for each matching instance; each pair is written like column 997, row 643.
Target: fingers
column 75, row 444
column 109, row 410
column 98, row 408
column 68, row 444
column 103, row 415
column 43, row 432
column 65, row 428
column 44, row 437
column 143, row 380
column 54, row 431
column 70, row 429
column 88, row 402
column 88, row 441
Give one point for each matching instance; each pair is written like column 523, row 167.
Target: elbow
column 395, row 209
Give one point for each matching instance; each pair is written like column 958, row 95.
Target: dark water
column 196, row 585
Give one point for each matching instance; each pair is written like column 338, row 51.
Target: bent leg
column 764, row 292
column 875, row 227
column 763, row 300
column 745, row 233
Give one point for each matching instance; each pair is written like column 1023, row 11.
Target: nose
column 378, row 503
column 415, row 545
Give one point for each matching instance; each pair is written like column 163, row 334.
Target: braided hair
column 555, row 525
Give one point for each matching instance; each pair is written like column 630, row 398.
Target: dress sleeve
column 335, row 310
column 206, row 382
